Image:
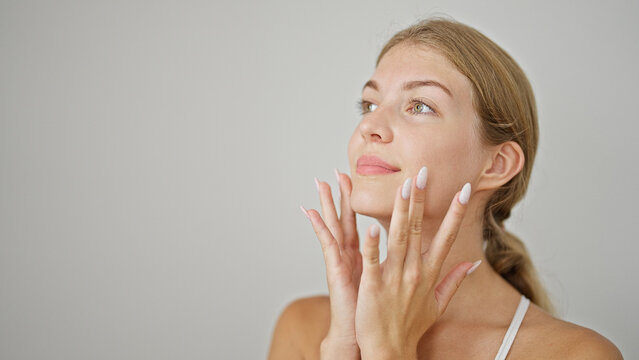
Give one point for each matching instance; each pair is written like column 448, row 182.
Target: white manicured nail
column 421, row 177
column 475, row 265
column 465, row 194
column 339, row 187
column 406, row 188
column 305, row 211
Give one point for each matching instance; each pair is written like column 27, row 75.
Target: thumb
column 449, row 284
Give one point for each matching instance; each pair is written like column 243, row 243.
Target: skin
column 445, row 142
column 437, row 133
column 426, row 264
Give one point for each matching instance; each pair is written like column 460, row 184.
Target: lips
column 372, row 160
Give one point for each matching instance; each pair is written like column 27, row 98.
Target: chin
column 372, row 204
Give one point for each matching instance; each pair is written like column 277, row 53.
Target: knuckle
column 402, row 236
column 413, row 275
column 450, row 238
column 416, row 227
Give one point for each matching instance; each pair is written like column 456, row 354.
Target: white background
column 154, row 155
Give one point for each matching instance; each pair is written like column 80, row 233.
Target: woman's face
column 413, row 126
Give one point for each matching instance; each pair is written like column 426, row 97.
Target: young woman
column 444, row 150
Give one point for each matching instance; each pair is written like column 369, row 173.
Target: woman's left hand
column 396, row 304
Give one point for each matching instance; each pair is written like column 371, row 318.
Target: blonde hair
column 505, row 104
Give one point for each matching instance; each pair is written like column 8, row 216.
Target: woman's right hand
column 340, row 245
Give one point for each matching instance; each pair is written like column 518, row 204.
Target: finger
column 329, row 212
column 416, row 220
column 330, row 247
column 347, row 215
column 370, row 261
column 448, row 286
column 398, row 231
column 447, row 233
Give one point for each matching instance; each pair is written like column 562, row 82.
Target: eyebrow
column 411, row 85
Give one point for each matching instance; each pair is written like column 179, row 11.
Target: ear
column 504, row 162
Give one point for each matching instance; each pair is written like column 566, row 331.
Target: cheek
column 356, row 145
column 351, row 152
column 448, row 152
column 448, row 158
column 436, row 150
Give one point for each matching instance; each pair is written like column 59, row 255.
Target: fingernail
column 475, row 265
column 465, row 194
column 374, row 230
column 421, row 177
column 406, row 188
column 339, row 188
column 305, row 212
column 316, row 183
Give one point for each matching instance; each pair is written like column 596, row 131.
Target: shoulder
column 558, row 338
column 589, row 344
column 302, row 325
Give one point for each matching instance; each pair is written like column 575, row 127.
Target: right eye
column 365, row 106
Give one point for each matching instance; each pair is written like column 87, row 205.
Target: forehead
column 406, row 62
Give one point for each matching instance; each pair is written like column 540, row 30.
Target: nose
column 374, row 127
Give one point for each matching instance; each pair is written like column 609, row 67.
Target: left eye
column 419, row 108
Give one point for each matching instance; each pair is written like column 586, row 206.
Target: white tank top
column 514, row 327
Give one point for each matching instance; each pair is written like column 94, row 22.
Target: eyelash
column 362, row 103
